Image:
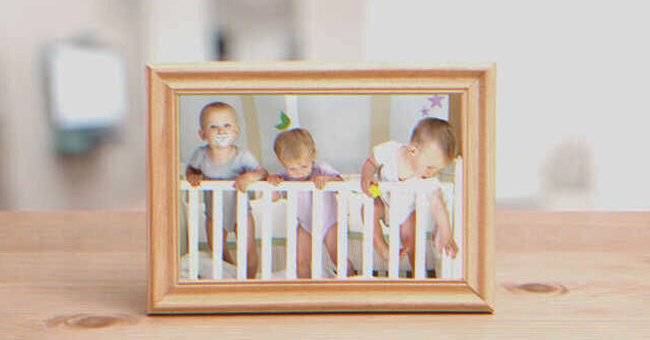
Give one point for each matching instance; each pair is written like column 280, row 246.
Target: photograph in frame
column 295, row 175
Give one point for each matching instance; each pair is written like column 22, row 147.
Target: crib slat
column 446, row 262
column 193, row 234
column 292, row 225
column 368, row 225
column 419, row 267
column 242, row 235
column 394, row 240
column 267, row 235
column 342, row 235
column 458, row 221
column 317, row 235
column 217, row 234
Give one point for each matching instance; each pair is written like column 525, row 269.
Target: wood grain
column 81, row 275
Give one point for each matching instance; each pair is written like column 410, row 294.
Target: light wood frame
column 475, row 84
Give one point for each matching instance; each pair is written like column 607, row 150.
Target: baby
column 296, row 151
column 432, row 148
column 220, row 159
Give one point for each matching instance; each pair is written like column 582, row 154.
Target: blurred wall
column 331, row 30
column 570, row 97
column 255, row 30
column 33, row 176
column 571, row 90
column 176, row 31
column 571, row 85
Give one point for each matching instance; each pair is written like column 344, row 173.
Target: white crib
column 277, row 221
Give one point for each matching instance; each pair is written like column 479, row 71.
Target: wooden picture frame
column 472, row 87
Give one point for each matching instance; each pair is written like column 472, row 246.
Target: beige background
column 570, row 90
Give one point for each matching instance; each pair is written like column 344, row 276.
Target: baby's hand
column 244, row 180
column 274, row 180
column 194, row 179
column 446, row 244
column 320, row 181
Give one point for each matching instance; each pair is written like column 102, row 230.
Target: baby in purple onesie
column 319, row 170
column 296, row 151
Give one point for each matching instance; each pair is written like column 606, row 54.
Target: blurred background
column 571, row 90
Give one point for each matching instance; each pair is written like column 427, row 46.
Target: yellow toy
column 375, row 191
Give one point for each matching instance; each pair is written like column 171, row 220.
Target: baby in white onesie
column 431, row 149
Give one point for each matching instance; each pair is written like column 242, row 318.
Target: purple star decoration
column 436, row 101
column 424, row 111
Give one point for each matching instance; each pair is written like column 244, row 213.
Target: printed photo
column 282, row 187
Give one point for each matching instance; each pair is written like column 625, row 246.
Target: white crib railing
column 450, row 269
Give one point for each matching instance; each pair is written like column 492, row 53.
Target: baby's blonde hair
column 216, row 106
column 435, row 130
column 293, row 144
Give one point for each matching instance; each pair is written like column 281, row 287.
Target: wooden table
column 83, row 275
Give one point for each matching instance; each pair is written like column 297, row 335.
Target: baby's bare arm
column 261, row 173
column 321, row 181
column 244, row 180
column 275, row 180
column 368, row 172
column 444, row 239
